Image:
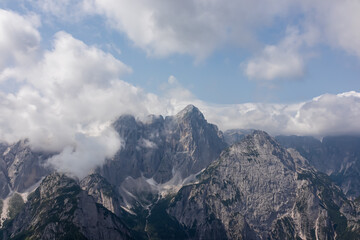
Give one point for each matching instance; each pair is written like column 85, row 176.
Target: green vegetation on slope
column 161, row 225
column 15, row 205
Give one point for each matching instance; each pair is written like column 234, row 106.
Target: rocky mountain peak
column 259, row 141
column 261, row 137
column 59, row 209
column 125, row 122
column 20, row 167
column 55, row 181
column 190, row 112
column 256, row 191
column 261, row 145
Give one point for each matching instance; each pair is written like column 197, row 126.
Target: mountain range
column 180, row 177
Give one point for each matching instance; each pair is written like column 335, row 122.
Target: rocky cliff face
column 337, row 156
column 159, row 149
column 102, row 192
column 59, row 209
column 20, row 167
column 258, row 190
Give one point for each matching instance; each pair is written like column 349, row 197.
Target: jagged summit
column 190, row 108
column 256, row 191
column 162, row 149
column 258, row 139
column 190, row 111
column 261, row 138
column 264, row 147
column 260, row 134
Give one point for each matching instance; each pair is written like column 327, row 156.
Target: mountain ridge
column 180, row 177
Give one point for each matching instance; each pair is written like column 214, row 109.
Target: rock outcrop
column 59, row 209
column 259, row 190
column 159, row 150
column 20, row 167
column 337, row 156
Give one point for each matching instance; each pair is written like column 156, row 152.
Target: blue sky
column 68, row 69
column 219, row 77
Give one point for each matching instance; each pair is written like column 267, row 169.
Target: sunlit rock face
column 259, row 190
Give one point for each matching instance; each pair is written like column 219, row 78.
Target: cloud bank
column 328, row 114
column 67, row 96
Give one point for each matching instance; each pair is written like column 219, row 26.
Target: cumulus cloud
column 328, row 114
column 337, row 21
column 67, row 99
column 189, row 27
column 282, row 61
column 198, row 28
column 19, row 41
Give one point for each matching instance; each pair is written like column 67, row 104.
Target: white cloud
column 198, row 28
column 327, row 114
column 189, row 27
column 67, row 99
column 19, row 41
column 87, row 153
column 337, row 21
column 282, row 61
column 72, row 65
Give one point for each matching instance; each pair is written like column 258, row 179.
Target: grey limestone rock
column 163, row 148
column 259, row 190
column 337, row 156
column 59, row 209
column 20, row 167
